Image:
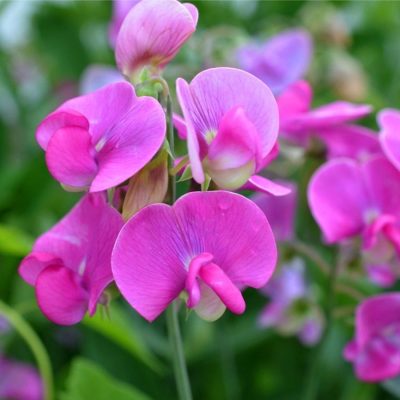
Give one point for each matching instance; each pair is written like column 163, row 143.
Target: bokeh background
column 45, row 48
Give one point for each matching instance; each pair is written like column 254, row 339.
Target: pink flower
column 375, row 351
column 70, row 265
column 349, row 199
column 389, row 121
column 281, row 61
column 152, row 34
column 208, row 245
column 231, row 126
column 99, row 140
column 292, row 309
column 280, row 211
column 19, row 381
column 120, row 10
column 299, row 124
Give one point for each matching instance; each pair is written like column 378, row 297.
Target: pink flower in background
column 96, row 76
column 280, row 211
column 329, row 123
column 389, row 122
column 292, row 309
column 70, row 265
column 209, row 245
column 19, row 381
column 231, row 125
column 280, row 61
column 121, row 9
column 349, row 199
column 99, row 140
column 375, row 350
column 152, row 34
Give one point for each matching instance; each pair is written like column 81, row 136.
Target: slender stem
column 36, row 346
column 180, row 370
column 171, row 140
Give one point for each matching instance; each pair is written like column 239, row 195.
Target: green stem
column 177, row 354
column 36, row 346
column 171, row 140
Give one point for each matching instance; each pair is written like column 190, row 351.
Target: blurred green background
column 44, row 49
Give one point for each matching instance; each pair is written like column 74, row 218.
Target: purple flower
column 121, row 9
column 208, row 245
column 96, row 76
column 99, row 140
column 389, row 121
column 231, row 126
column 19, row 381
column 280, row 211
column 292, row 309
column 349, row 199
column 279, row 62
column 299, row 124
column 152, row 34
column 70, row 265
column 375, row 350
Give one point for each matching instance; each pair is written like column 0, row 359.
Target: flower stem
column 180, row 370
column 171, row 140
column 36, row 346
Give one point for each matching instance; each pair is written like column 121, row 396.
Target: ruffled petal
column 60, row 295
column 34, row 263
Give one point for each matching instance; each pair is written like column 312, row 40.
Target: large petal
column 338, row 199
column 389, row 122
column 152, row 33
column 350, row 141
column 149, row 259
column 281, row 61
column 70, row 157
column 60, row 295
column 130, row 144
column 214, row 92
column 280, row 211
column 34, row 263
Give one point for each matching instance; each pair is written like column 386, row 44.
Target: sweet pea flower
column 375, row 350
column 389, row 122
column 281, row 61
column 70, row 265
column 19, row 381
column 207, row 246
column 99, row 140
column 329, row 124
column 292, row 309
column 349, row 199
column 231, row 126
column 120, row 10
column 152, row 34
column 280, row 211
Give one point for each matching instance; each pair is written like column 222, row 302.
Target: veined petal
column 70, row 157
column 60, row 296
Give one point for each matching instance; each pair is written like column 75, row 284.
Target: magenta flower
column 209, row 245
column 99, row 140
column 281, row 61
column 329, row 123
column 19, row 381
column 349, row 199
column 280, row 211
column 231, row 125
column 389, row 121
column 121, row 9
column 70, row 265
column 152, row 34
column 375, row 351
column 292, row 309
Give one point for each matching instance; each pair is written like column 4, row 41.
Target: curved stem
column 36, row 346
column 180, row 370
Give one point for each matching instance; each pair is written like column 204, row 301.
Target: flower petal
column 338, row 199
column 261, row 184
column 389, row 122
column 60, row 296
column 70, row 157
column 34, row 263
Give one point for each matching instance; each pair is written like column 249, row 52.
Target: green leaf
column 119, row 330
column 87, row 381
column 14, row 242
